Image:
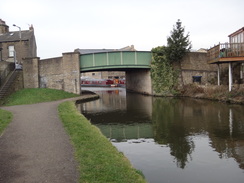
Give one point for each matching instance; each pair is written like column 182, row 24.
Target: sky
column 65, row 25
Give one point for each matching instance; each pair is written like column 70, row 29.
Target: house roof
column 237, row 32
column 88, row 51
column 14, row 36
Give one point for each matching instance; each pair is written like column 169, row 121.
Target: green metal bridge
column 115, row 60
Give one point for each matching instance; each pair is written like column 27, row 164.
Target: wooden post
column 230, row 76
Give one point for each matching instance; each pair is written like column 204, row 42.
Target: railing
column 225, row 50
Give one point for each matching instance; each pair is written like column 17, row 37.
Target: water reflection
column 159, row 134
column 176, row 121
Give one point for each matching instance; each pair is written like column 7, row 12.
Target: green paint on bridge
column 116, row 60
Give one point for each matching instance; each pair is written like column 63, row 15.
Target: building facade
column 16, row 45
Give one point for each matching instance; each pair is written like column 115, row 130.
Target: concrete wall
column 139, row 80
column 62, row 73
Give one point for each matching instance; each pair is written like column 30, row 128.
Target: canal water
column 172, row 140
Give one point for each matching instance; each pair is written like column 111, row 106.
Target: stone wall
column 195, row 64
column 5, row 69
column 62, row 73
column 17, row 84
column 31, row 72
column 71, row 68
column 51, row 73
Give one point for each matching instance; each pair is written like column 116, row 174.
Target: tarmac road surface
column 35, row 148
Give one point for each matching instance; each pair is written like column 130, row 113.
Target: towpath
column 35, row 147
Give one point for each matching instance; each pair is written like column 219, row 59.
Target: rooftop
column 14, row 36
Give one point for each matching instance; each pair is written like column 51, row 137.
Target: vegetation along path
column 35, row 146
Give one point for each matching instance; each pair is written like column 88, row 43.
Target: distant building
column 104, row 74
column 202, row 50
column 16, row 45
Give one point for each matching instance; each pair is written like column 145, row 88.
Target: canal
column 172, row 140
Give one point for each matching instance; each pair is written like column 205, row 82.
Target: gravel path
column 35, row 147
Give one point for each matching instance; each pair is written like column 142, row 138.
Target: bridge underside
column 114, row 69
column 137, row 80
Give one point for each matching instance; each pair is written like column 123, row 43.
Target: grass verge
column 5, row 119
column 36, row 95
column 99, row 160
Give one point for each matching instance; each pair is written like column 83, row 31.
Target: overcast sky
column 64, row 25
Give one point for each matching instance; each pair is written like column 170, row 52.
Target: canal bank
column 216, row 93
column 210, row 92
column 35, row 148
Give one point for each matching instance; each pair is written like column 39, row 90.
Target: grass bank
column 99, row 160
column 5, row 119
column 36, row 95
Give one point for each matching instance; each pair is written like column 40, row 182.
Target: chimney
column 3, row 27
column 31, row 28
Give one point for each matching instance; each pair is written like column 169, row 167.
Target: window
column 11, row 51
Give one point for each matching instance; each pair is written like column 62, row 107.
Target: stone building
column 16, row 45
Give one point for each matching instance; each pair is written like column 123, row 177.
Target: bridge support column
column 139, row 81
column 230, row 76
column 218, row 74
